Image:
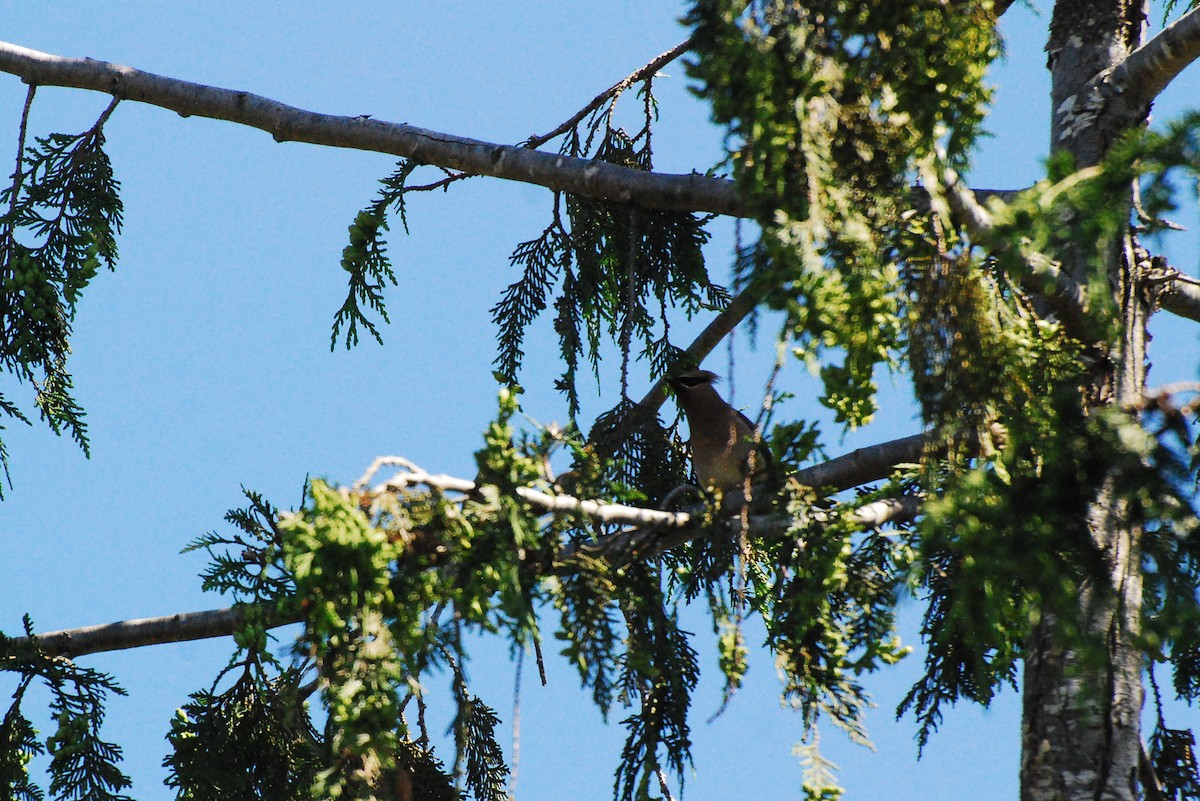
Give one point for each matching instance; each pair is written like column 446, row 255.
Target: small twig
column 1144, row 217
column 1175, row 388
column 617, row 88
column 442, row 184
column 541, row 663
column 19, row 175
column 516, row 725
column 662, row 784
column 382, row 462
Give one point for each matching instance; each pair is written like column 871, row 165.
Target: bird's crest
column 691, row 379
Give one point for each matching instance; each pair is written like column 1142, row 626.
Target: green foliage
column 366, row 259
column 1170, row 5
column 659, row 669
column 639, row 454
column 1173, row 754
column 829, row 107
column 620, row 269
column 252, row 741
column 18, row 745
column 340, row 563
column 83, row 766
column 249, row 563
column 828, row 599
column 485, row 771
column 1006, row 541
column 820, row 775
column 58, row 224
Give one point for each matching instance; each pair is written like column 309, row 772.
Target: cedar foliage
column 830, row 109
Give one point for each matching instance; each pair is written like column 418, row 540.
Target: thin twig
column 649, row 70
column 18, row 174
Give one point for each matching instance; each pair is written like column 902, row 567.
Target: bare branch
column 125, row 634
column 1174, row 291
column 1145, row 73
column 286, row 123
column 620, row 86
column 872, row 463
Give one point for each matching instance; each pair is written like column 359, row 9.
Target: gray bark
column 1081, row 737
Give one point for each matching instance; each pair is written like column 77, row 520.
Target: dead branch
column 647, row 71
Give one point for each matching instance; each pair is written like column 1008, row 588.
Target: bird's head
column 686, row 382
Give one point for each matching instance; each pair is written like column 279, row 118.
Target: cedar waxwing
column 722, row 438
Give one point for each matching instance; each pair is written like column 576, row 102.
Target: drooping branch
column 286, row 123
column 728, row 319
column 1145, row 73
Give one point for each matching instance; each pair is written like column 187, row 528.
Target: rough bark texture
column 1080, row 735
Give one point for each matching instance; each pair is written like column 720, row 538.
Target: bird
column 722, row 438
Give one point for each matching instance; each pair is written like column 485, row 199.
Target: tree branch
column 617, row 88
column 212, row 623
column 692, row 192
column 286, row 123
column 654, row 532
column 872, row 463
column 1143, row 74
column 182, row 627
column 1173, row 290
column 1067, row 297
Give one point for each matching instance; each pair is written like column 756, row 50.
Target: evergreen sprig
column 252, row 740
column 659, row 670
column 366, row 259
column 247, row 564
column 59, row 220
column 484, row 770
column 83, row 765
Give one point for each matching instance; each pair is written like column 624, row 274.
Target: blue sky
column 204, row 361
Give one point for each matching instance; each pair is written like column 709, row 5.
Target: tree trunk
column 1081, row 736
